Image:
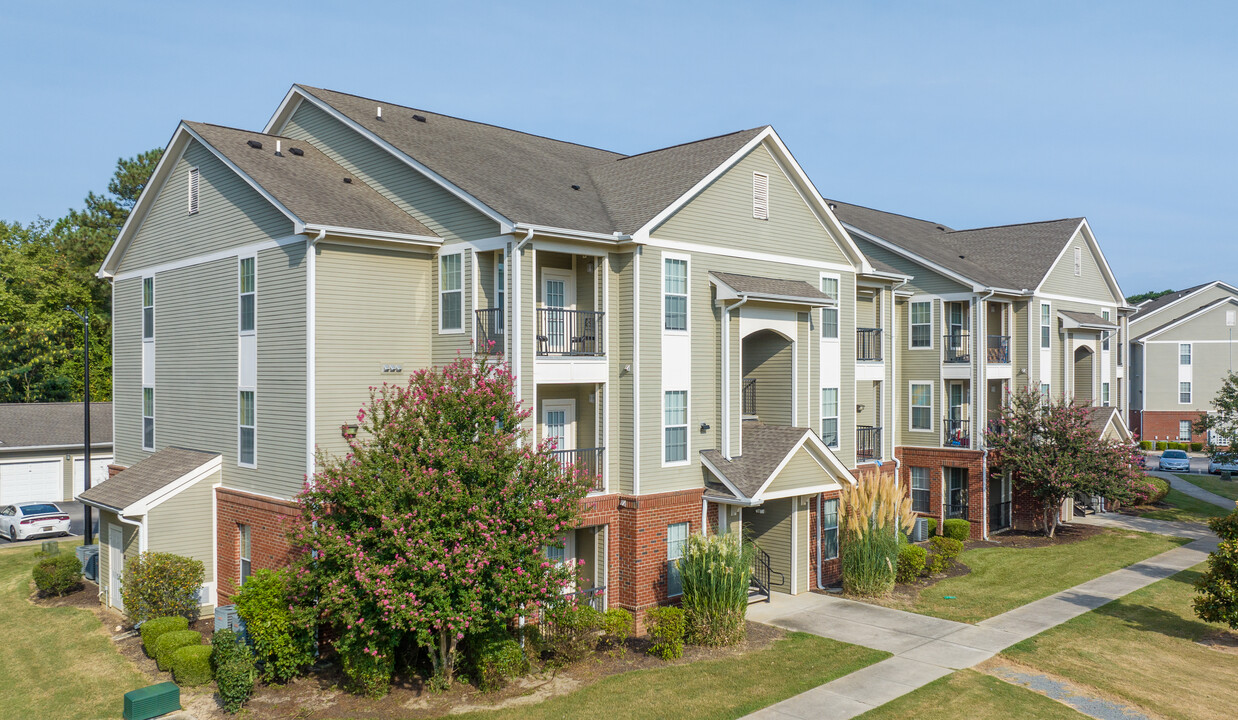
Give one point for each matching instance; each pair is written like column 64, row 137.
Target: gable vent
column 1078, row 261
column 193, row 190
column 760, row 196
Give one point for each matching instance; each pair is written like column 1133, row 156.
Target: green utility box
column 152, row 701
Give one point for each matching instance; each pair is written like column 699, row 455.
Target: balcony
column 585, row 460
column 956, row 510
column 958, row 432
column 868, row 344
column 490, row 330
column 575, row 333
column 998, row 349
column 867, row 443
column 956, row 348
column 748, row 397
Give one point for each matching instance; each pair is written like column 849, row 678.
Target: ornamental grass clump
column 715, row 570
column 872, row 515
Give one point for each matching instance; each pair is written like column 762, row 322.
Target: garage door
column 25, row 481
column 97, row 476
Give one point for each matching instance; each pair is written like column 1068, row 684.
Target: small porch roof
column 1084, row 320
column 1106, row 419
column 753, row 477
column 136, row 489
column 794, row 292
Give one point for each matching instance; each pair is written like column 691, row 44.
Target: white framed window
column 1104, row 336
column 1184, row 393
column 1184, row 353
column 1104, row 394
column 675, row 426
column 246, row 428
column 1045, row 325
column 1044, row 394
column 248, row 294
column 829, row 315
column 500, row 285
column 922, row 406
column 1078, row 262
column 829, row 416
column 675, row 293
column 148, row 418
column 148, row 308
column 920, row 493
column 760, row 196
column 829, row 529
column 1184, row 431
column 451, row 293
column 921, row 314
column 246, row 547
column 192, row 187
column 676, row 539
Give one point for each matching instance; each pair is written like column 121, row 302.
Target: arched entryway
column 768, row 358
column 1084, row 362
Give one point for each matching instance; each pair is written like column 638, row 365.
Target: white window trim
column 1044, row 322
column 755, row 214
column 1190, row 431
column 1190, row 392
column 239, row 260
column 932, row 302
column 678, row 557
column 838, row 427
column 500, row 281
column 154, row 320
column 240, row 427
column 1046, row 393
column 243, row 530
column 928, row 487
column 911, row 384
column 1190, row 354
column 834, row 527
column 154, row 427
column 1105, row 343
column 193, row 188
column 441, row 292
column 1104, row 394
column 687, row 260
column 837, row 308
column 687, row 435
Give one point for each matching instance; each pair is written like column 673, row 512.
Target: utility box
column 919, row 531
column 152, row 701
column 227, row 618
column 88, row 556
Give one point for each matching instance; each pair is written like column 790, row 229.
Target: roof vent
column 378, row 112
column 419, row 118
column 941, row 228
column 575, row 187
column 277, row 152
column 254, row 144
column 296, row 151
column 348, row 181
column 962, row 257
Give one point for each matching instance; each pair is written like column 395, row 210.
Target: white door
column 26, row 481
column 97, row 475
column 115, row 564
column 559, row 298
column 559, row 423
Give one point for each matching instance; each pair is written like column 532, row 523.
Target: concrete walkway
column 1195, row 491
column 927, row 648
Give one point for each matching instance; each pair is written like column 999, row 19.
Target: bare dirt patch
column 1065, row 535
column 1221, row 641
column 85, row 597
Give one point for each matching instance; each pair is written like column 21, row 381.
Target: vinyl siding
column 801, row 471
column 182, row 524
column 373, row 309
column 448, row 346
column 802, row 534
column 438, row 209
column 486, row 263
column 1063, row 346
column 622, row 394
column 127, row 370
column 919, row 365
column 230, row 214
column 131, row 545
column 1148, row 323
column 585, row 411
column 1089, row 284
column 924, row 280
column 1211, row 362
column 768, row 361
column 771, row 531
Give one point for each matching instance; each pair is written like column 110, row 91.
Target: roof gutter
column 140, row 525
column 612, row 238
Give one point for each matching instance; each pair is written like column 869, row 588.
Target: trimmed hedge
column 911, row 560
column 932, row 526
column 57, row 574
column 1162, row 445
column 1145, row 444
column 957, row 528
column 152, row 630
column 574, row 632
column 170, row 642
column 1162, row 488
column 158, row 584
column 283, row 647
column 945, row 550
column 667, row 626
column 191, row 665
column 1197, row 447
column 235, row 669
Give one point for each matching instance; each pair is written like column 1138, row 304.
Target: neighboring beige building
column 42, row 456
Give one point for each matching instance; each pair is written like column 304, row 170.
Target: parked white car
column 1174, row 461
column 1222, row 463
column 18, row 522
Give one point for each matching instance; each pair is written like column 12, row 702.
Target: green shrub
column 1162, row 445
column 571, row 632
column 911, row 560
column 57, row 574
column 957, row 528
column 667, row 626
column 191, row 665
column 1226, row 527
column 160, row 585
column 235, row 670
column 1197, row 447
column 367, row 674
column 1145, row 444
column 945, row 550
column 493, row 657
column 932, row 526
column 170, row 642
column 716, row 570
column 154, row 628
column 617, row 628
column 1161, row 488
column 283, row 647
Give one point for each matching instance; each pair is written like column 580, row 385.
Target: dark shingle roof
column 145, row 477
column 529, row 178
column 27, row 425
column 1183, row 313
column 1086, row 318
column 310, row 185
column 763, row 286
column 1160, row 302
column 765, row 447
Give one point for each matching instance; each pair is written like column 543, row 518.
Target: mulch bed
column 85, row 597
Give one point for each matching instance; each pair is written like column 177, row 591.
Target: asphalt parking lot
column 77, row 523
column 1198, row 464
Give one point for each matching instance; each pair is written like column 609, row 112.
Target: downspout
column 726, row 377
column 519, row 306
column 819, row 561
column 983, row 317
column 140, row 525
column 898, row 465
column 311, row 245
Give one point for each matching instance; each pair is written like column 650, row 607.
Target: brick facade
column 638, row 546
column 268, row 520
column 936, row 460
column 831, row 570
column 1162, row 425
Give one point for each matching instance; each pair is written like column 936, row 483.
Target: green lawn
column 56, row 662
column 1214, row 483
column 1184, row 508
column 1002, row 579
column 972, row 695
column 1143, row 648
column 726, row 688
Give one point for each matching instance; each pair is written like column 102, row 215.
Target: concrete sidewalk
column 927, row 648
column 1195, row 491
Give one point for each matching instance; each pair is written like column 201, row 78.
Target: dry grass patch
column 972, row 695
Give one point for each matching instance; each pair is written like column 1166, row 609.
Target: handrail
column 867, row 442
column 998, row 349
column 958, row 432
column 748, row 397
column 956, row 347
column 561, row 331
column 590, row 596
column 956, row 510
column 868, row 344
column 763, row 573
column 586, row 460
column 490, row 330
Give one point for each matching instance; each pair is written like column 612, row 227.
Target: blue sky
column 967, row 113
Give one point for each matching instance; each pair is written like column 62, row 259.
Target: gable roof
column 1184, row 317
column 767, row 448
column 1150, row 307
column 147, row 477
column 775, row 289
column 1102, row 416
column 25, row 426
column 1087, row 320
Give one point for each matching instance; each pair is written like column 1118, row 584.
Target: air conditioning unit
column 919, row 531
column 88, row 556
column 226, row 618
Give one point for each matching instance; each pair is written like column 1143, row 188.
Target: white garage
column 31, row 480
column 97, row 475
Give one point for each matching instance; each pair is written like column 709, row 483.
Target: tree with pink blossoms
column 434, row 525
column 1053, row 452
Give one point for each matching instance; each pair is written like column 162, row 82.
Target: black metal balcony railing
column 546, row 625
column 958, row 432
column 999, row 516
column 569, row 332
column 867, row 442
column 868, row 344
column 956, row 347
column 490, row 331
column 999, row 349
column 956, row 510
column 585, row 460
column 748, row 397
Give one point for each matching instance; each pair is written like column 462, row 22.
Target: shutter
column 193, row 190
column 760, row 196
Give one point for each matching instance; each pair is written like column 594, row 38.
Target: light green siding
column 923, row 281
column 127, row 370
column 182, row 524
column 801, row 471
column 1213, row 356
column 130, row 544
column 771, row 531
column 621, row 459
column 450, row 345
column 921, row 365
column 438, row 209
column 1089, row 283
column 585, row 400
column 231, row 214
column 1147, row 323
column 767, row 362
column 803, row 533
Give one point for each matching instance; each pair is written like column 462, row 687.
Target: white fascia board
column 1187, row 318
column 713, row 469
column 148, row 503
column 568, row 233
column 840, row 471
column 1086, row 231
column 44, row 448
column 298, row 225
column 336, row 231
column 919, row 260
column 172, row 154
column 287, row 106
column 1209, row 286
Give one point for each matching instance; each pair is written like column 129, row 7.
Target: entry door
column 559, row 297
column 956, row 492
column 559, row 423
column 957, row 400
column 115, row 565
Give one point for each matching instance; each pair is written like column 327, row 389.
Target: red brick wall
column 1162, row 425
column 935, row 459
column 831, row 570
column 268, row 520
column 638, row 546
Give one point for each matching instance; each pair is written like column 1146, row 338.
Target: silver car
column 25, row 520
column 1223, row 463
column 1174, row 461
